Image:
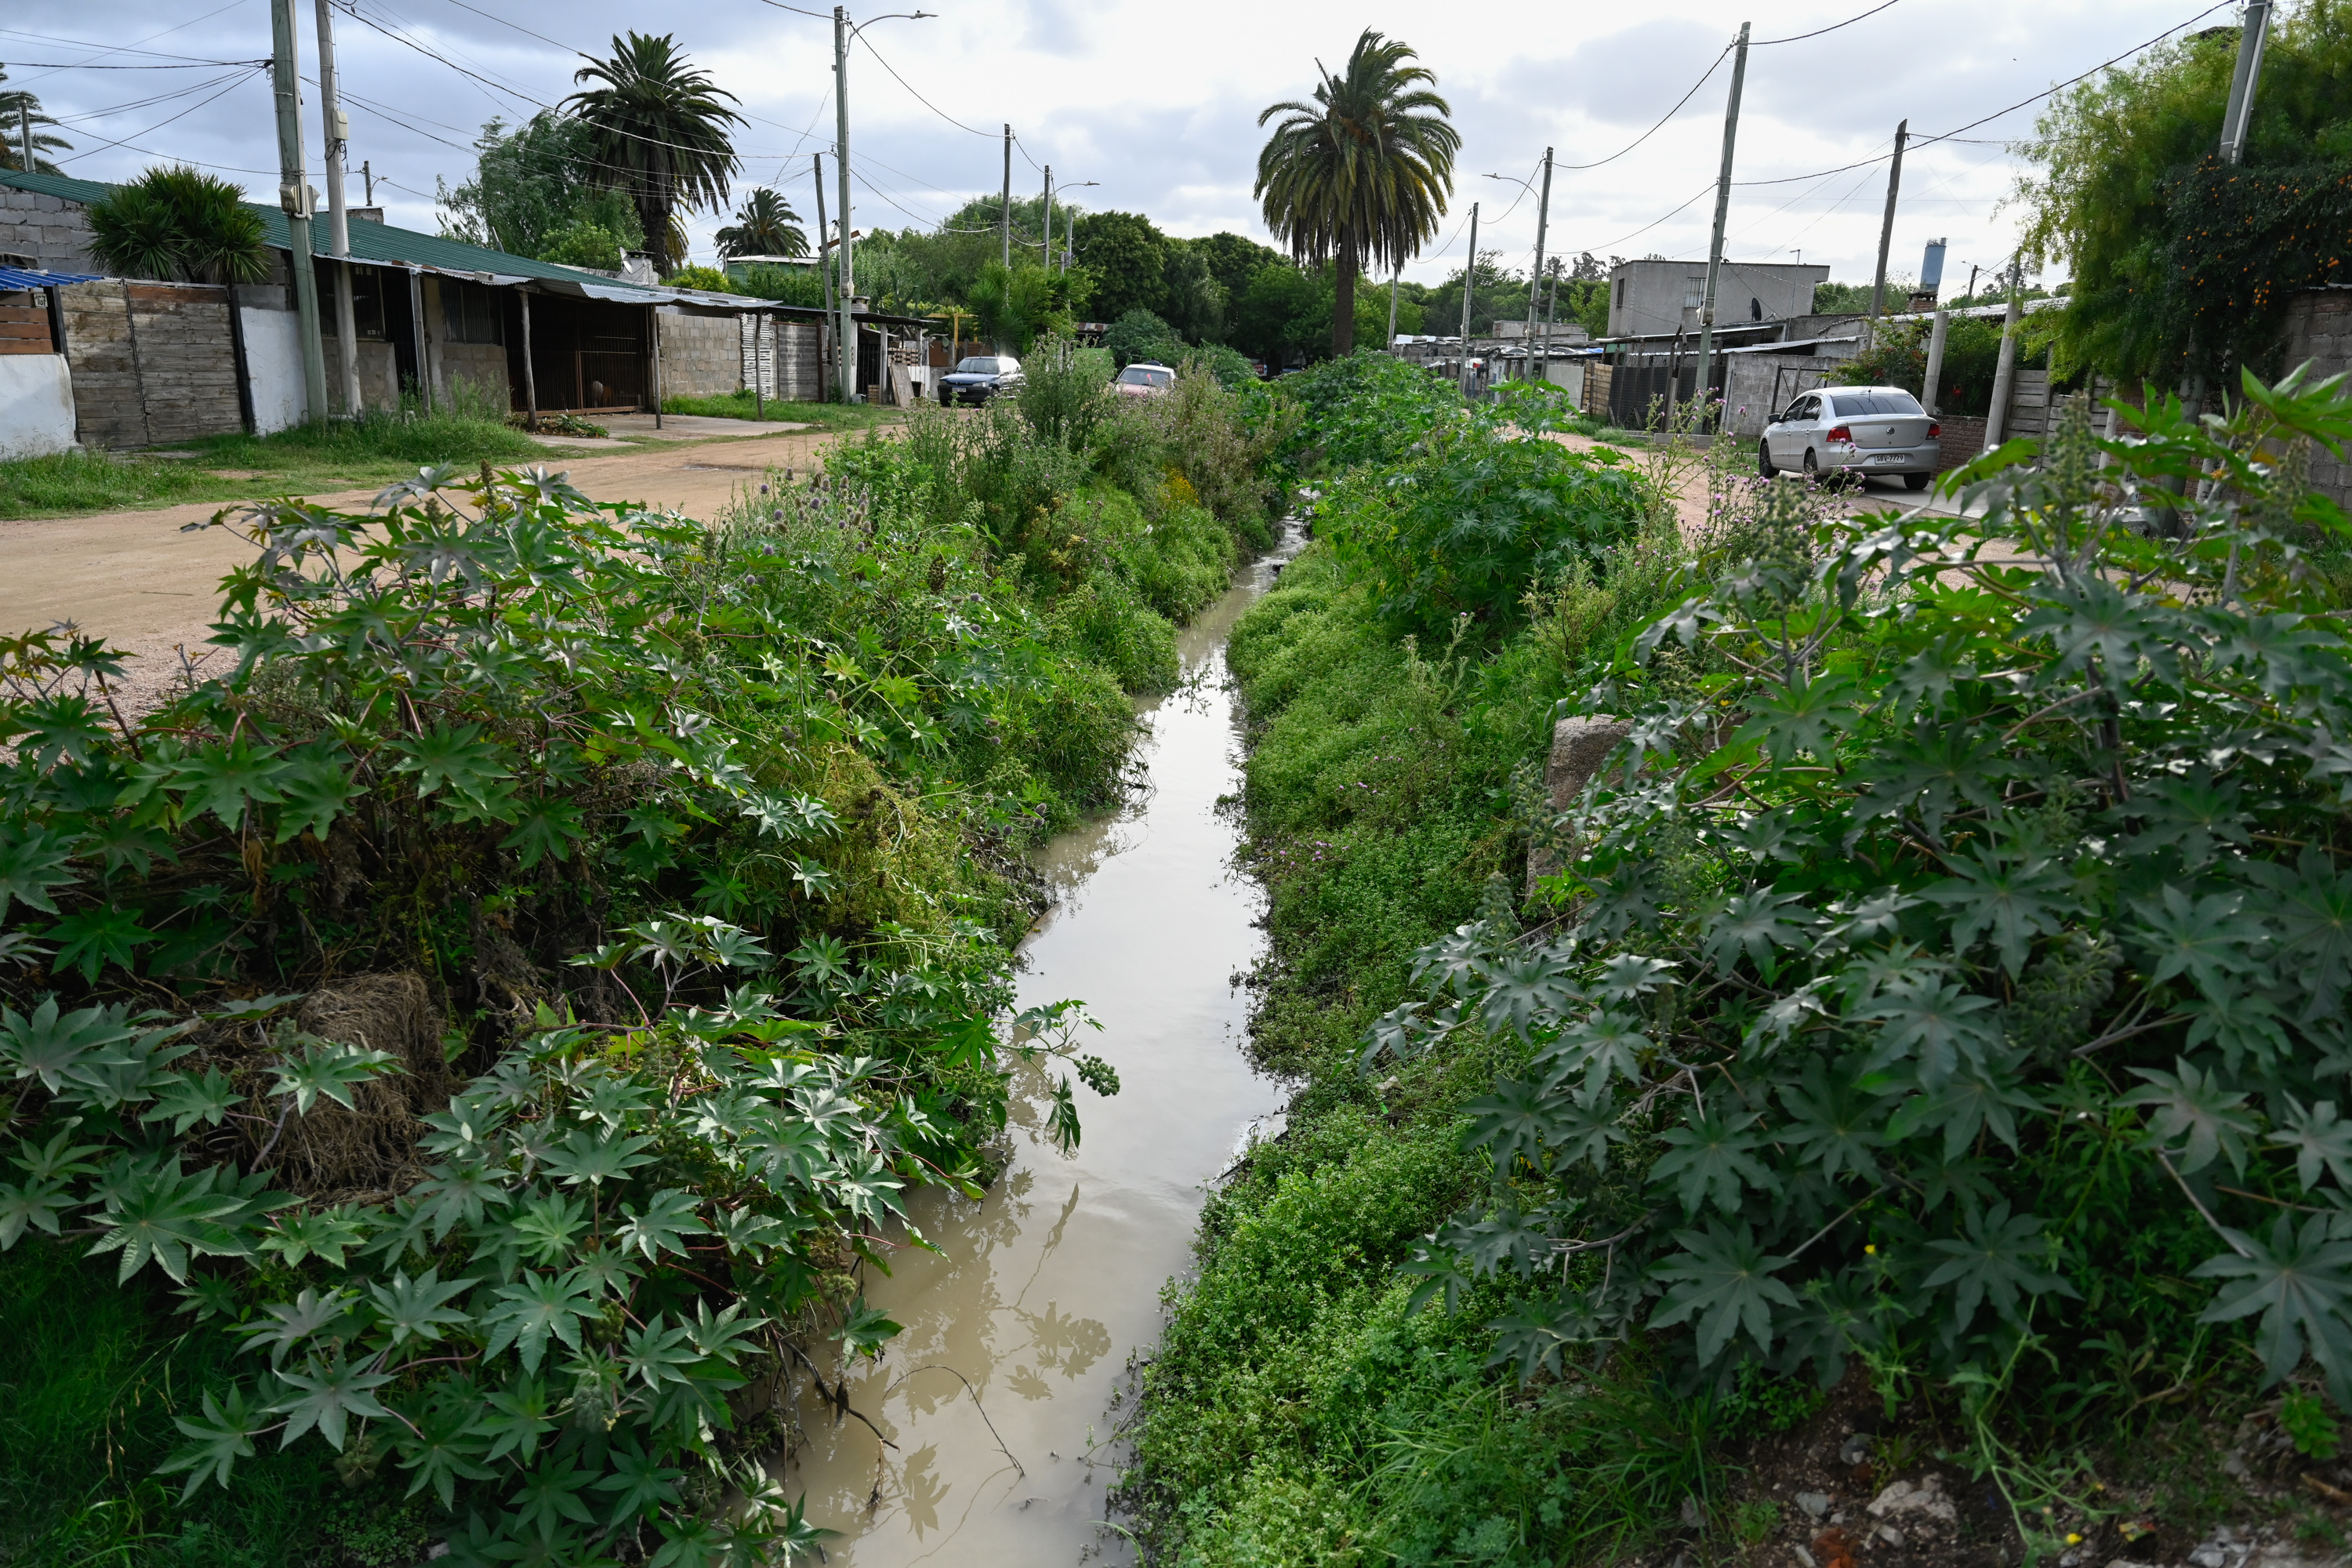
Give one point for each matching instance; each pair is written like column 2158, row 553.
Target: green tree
column 2112, row 150
column 14, row 107
column 765, row 225
column 535, row 192
column 1128, row 258
column 1015, row 305
column 1284, row 314
column 1361, row 175
column 1497, row 295
column 1232, row 261
column 1139, row 334
column 1190, row 298
column 179, row 224
column 660, row 133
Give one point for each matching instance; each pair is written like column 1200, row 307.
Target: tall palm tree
column 1361, row 175
column 16, row 106
column 660, row 135
column 765, row 225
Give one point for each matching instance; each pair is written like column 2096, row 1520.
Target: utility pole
column 1046, row 255
column 25, row 131
column 294, row 196
column 845, row 345
column 1543, row 223
column 1935, row 339
column 338, row 227
column 1394, row 278
column 1722, row 212
column 2240, row 114
column 2004, row 369
column 1551, row 307
column 1008, row 198
column 824, row 268
column 1469, row 282
column 1886, row 224
column 368, row 175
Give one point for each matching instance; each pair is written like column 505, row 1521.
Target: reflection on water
column 998, row 1396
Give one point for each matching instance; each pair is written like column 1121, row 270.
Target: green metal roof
column 379, row 242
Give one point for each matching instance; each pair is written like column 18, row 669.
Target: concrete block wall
column 2319, row 330
column 1758, row 386
column 785, row 363
column 54, row 233
column 150, row 361
column 701, row 356
column 37, row 406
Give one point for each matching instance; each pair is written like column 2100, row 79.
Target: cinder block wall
column 151, row 362
column 54, row 233
column 784, row 363
column 2319, row 329
column 701, row 356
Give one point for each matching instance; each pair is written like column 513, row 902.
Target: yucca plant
column 179, row 224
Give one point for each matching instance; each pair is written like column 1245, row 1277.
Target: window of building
column 1621, row 292
column 471, row 312
column 1695, row 290
column 367, row 302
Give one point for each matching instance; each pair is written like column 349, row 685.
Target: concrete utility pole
column 1008, row 198
column 1935, row 358
column 25, row 132
column 824, row 268
column 2240, row 114
column 1722, row 212
column 2004, row 370
column 1394, row 278
column 294, row 197
column 339, row 226
column 1046, row 255
column 845, row 344
column 1543, row 223
column 1469, row 282
column 1886, row 224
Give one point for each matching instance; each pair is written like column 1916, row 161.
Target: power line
column 104, row 50
column 187, row 65
column 1670, row 113
column 239, row 80
column 926, row 103
column 1833, row 27
column 1996, row 115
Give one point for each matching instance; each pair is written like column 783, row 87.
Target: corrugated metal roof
column 12, row 278
column 377, row 242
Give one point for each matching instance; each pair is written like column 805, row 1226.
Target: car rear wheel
column 1812, row 469
column 1764, row 459
column 1917, row 481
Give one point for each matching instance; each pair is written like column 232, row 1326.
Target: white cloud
column 1159, row 104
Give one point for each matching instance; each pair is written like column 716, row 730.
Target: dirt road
column 133, row 578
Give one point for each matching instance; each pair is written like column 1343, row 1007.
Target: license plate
column 1888, row 457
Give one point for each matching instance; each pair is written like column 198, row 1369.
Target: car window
column 1147, row 375
column 976, row 364
column 1803, row 408
column 1851, row 405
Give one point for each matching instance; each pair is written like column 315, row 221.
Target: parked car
column 1145, row 378
column 1856, row 431
column 979, row 377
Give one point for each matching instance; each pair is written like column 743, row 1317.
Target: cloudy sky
column 1157, row 103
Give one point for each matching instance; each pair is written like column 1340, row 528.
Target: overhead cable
column 1817, row 32
column 1669, row 114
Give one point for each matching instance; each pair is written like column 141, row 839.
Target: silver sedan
column 1859, row 429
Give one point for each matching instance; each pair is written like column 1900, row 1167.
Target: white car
column 1862, row 430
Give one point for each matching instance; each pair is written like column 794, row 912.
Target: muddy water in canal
column 998, row 1396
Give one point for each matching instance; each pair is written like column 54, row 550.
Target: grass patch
column 379, row 446
column 740, row 404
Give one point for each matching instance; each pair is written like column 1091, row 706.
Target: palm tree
column 14, row 107
column 1359, row 176
column 659, row 134
column 765, row 225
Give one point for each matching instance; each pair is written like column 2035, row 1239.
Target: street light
column 1050, row 188
column 846, row 342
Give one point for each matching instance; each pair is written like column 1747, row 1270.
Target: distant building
column 1561, row 332
column 1649, row 299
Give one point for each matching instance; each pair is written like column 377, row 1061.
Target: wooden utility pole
column 1722, row 210
column 1008, row 198
column 1469, row 282
column 1539, row 358
column 1046, row 256
column 294, row 198
column 1886, row 224
column 823, row 266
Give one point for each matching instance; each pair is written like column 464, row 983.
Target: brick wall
column 151, row 362
column 1962, row 440
column 2319, row 330
column 701, row 356
column 53, row 232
